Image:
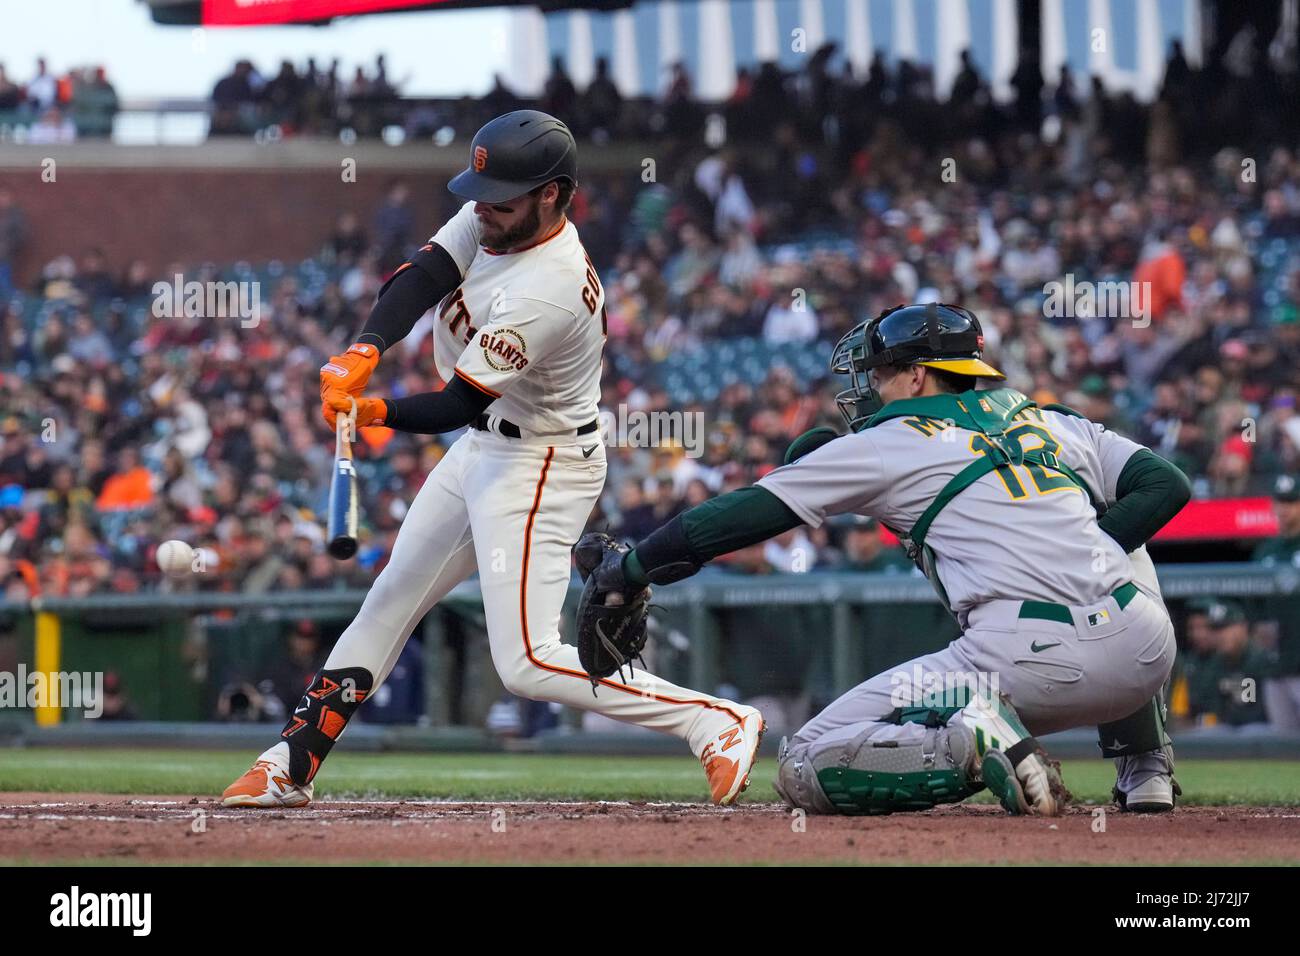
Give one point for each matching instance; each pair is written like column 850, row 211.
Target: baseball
column 176, row 558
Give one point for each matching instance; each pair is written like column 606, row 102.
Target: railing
column 1177, row 581
column 857, row 624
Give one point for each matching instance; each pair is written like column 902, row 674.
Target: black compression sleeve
column 1149, row 492
column 719, row 526
column 432, row 413
column 736, row 520
column 410, row 292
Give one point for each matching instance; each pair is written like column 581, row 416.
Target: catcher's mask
column 946, row 337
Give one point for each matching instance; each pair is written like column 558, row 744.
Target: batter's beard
column 520, row 233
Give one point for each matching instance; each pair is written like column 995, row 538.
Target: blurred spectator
column 52, row 128
column 94, row 103
column 601, row 102
column 117, row 706
column 500, row 98
column 243, row 702
column 129, row 487
column 394, row 226
column 13, row 237
column 559, row 95
column 1282, row 691
column 93, row 279
column 304, row 656
column 400, row 698
column 348, row 243
column 11, row 94
column 790, row 320
column 865, row 550
column 790, row 552
column 42, row 89
column 1194, row 657
column 232, row 101
column 1161, row 273
column 1224, row 684
column 283, row 96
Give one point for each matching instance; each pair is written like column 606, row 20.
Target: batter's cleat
column 1012, row 763
column 266, row 785
column 1145, row 783
column 729, row 757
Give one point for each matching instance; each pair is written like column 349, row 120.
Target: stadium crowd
column 122, row 429
column 53, row 108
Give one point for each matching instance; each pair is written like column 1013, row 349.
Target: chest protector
column 992, row 414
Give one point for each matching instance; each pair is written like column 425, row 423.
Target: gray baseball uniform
column 1042, row 594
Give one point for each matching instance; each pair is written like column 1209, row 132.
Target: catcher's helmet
column 946, row 337
column 514, row 153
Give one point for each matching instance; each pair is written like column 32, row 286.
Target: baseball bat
column 343, row 490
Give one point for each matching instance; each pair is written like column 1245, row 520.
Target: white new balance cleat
column 730, row 756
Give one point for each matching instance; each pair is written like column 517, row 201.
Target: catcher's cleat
column 1145, row 783
column 1000, row 777
column 729, row 757
column 1012, row 763
column 266, row 785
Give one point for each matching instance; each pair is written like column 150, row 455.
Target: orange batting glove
column 349, row 371
column 370, row 411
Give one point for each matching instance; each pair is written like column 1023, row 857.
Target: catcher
column 1031, row 524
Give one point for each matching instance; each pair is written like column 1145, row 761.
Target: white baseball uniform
column 527, row 328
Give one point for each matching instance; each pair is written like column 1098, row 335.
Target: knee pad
column 859, row 776
column 317, row 721
column 796, row 780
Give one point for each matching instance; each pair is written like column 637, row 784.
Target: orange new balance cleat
column 729, row 757
column 266, row 785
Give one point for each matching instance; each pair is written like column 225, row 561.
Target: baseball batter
column 1030, row 522
column 521, row 326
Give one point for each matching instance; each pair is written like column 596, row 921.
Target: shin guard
column 1137, row 733
column 865, row 776
column 318, row 720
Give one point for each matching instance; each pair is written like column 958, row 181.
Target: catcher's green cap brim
column 468, row 184
column 972, row 366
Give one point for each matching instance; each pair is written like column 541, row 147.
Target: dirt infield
column 49, row 828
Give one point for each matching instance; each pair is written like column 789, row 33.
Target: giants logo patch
column 480, row 159
column 505, row 350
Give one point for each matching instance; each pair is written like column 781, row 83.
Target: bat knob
column 342, row 548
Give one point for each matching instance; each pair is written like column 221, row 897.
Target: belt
column 511, row 430
column 1047, row 611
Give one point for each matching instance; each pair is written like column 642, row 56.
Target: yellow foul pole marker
column 48, row 652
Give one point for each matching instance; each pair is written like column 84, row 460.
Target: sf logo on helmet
column 480, row 158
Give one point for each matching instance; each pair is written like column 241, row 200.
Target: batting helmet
column 514, row 153
column 945, row 337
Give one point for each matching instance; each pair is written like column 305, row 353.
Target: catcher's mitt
column 611, row 615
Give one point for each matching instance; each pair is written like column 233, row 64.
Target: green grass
column 543, row 777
